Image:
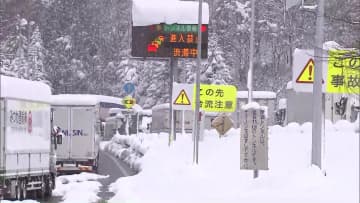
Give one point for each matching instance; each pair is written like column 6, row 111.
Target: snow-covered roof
column 83, row 99
column 24, row 89
column 161, row 106
column 145, row 12
column 257, row 94
column 331, row 45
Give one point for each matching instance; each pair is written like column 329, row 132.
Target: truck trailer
column 27, row 157
column 81, row 119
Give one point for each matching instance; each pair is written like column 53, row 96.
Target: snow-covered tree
column 36, row 57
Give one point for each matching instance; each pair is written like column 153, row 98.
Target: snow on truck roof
column 17, row 88
column 145, row 12
column 83, row 99
column 90, row 100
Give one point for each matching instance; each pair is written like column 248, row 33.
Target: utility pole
column 318, row 123
column 251, row 65
column 251, row 55
column 197, row 88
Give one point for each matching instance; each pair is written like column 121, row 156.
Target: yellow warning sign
column 182, row 99
column 129, row 102
column 343, row 72
column 217, row 98
column 307, row 74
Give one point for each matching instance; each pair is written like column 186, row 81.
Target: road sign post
column 197, row 97
column 318, row 123
column 171, row 111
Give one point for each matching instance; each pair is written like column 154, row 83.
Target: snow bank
column 130, row 149
column 81, row 187
column 146, row 12
column 168, row 174
column 24, row 89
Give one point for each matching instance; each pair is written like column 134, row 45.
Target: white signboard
column 182, row 96
column 304, row 69
column 253, row 139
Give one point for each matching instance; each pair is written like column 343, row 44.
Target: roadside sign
column 129, row 102
column 217, row 98
column 168, row 40
column 307, row 74
column 222, row 124
column 182, row 99
column 253, row 139
column 182, row 95
column 129, row 88
column 343, row 72
column 213, row 98
column 303, row 70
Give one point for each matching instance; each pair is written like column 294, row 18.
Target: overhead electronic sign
column 164, row 40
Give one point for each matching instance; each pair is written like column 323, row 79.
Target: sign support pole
column 171, row 112
column 197, row 88
column 318, row 133
column 173, row 63
column 251, row 65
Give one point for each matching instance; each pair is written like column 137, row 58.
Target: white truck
column 27, row 158
column 81, row 120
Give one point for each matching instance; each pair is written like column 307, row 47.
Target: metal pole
column 197, row 89
column 171, row 116
column 251, row 59
column 175, row 79
column 318, row 114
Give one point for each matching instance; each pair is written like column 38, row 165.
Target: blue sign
column 129, row 88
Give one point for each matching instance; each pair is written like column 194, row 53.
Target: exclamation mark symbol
column 182, row 97
column 310, row 72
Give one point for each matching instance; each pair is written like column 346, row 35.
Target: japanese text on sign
column 163, row 40
column 343, row 72
column 217, row 98
column 253, row 140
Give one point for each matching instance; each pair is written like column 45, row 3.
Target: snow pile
column 81, row 187
column 130, row 149
column 168, row 174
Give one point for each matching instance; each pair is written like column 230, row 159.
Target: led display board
column 164, row 40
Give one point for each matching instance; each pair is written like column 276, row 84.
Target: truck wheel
column 18, row 191
column 48, row 188
column 23, row 190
